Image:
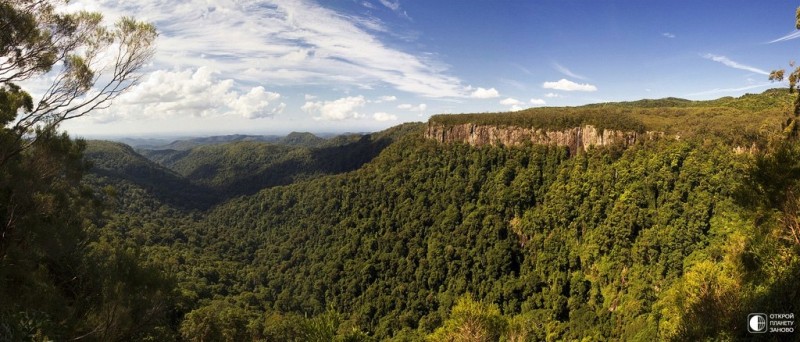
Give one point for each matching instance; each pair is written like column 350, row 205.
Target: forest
column 385, row 236
column 392, row 236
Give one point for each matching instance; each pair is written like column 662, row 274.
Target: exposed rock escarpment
column 577, row 139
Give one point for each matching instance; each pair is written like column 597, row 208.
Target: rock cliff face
column 578, row 139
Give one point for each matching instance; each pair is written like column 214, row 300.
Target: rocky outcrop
column 578, row 139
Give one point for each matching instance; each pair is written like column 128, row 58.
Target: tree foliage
column 62, row 275
column 388, row 236
column 90, row 64
column 628, row 244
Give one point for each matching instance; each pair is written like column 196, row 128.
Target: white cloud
column 419, row 108
column 337, row 110
column 392, row 5
column 516, row 108
column 188, row 92
column 729, row 63
column 552, row 95
column 562, row 69
column 789, row 36
column 367, row 4
column 538, row 102
column 482, row 93
column 309, row 97
column 387, row 99
column 731, row 90
column 255, row 103
column 668, row 35
column 281, row 43
column 511, row 102
column 567, row 85
column 381, row 116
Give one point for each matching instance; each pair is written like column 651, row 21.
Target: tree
column 90, row 65
column 56, row 281
column 779, row 170
column 790, row 127
column 471, row 321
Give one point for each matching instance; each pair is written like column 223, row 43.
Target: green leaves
column 13, row 100
column 471, row 321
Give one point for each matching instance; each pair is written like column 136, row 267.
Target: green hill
column 395, row 236
column 119, row 165
column 292, row 139
column 209, row 174
column 735, row 120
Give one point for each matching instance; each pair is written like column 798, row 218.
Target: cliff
column 577, row 139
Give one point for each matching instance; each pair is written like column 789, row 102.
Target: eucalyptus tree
column 87, row 63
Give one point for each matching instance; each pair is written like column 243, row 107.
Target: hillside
column 209, row 174
column 292, row 139
column 740, row 121
column 643, row 220
column 119, row 165
column 397, row 236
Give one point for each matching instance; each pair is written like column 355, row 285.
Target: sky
column 277, row 66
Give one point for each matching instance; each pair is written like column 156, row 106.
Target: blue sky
column 276, row 66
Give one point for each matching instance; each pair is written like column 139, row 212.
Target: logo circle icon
column 757, row 323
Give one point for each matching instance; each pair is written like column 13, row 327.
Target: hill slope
column 119, row 165
column 738, row 121
column 209, row 174
column 666, row 239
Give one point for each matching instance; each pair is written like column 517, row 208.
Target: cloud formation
column 538, row 102
column 729, row 63
column 283, row 43
column 567, row 85
column 790, row 36
column 381, row 116
column 668, row 35
column 511, row 102
column 482, row 93
column 391, row 98
column 392, row 5
column 731, row 90
column 419, row 108
column 199, row 93
column 337, row 110
column 562, row 69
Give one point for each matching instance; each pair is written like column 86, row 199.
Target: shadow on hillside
column 143, row 180
column 167, row 188
column 323, row 161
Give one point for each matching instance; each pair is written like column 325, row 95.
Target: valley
column 408, row 235
column 403, row 171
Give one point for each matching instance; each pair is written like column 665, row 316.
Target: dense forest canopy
column 424, row 240
column 738, row 120
column 388, row 235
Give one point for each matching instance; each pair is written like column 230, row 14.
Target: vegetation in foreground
column 451, row 242
column 665, row 240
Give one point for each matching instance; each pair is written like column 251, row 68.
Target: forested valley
column 394, row 236
column 651, row 220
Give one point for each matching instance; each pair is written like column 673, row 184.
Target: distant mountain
column 186, row 144
column 117, row 164
column 215, row 170
column 293, row 139
column 142, row 142
column 301, row 139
